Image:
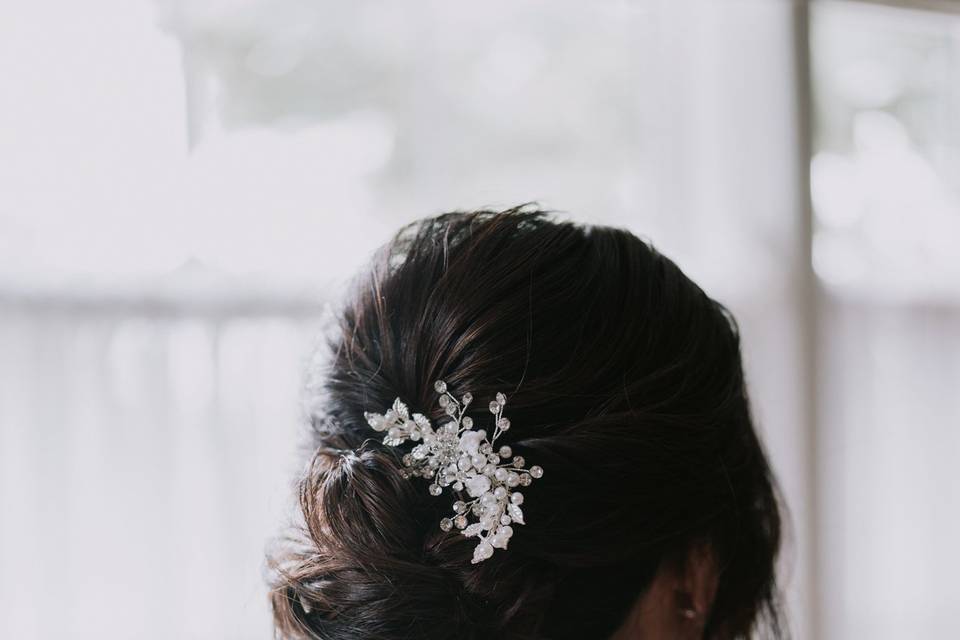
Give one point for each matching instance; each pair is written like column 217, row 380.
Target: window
column 185, row 185
column 886, row 194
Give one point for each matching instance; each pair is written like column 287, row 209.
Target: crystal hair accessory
column 457, row 456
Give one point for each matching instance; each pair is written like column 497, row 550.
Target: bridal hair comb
column 457, row 456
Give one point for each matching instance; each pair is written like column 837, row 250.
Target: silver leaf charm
column 401, row 409
column 516, row 514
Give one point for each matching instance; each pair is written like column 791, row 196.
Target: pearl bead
column 513, row 479
column 435, row 489
column 460, row 522
column 505, row 451
column 500, row 493
column 516, row 498
column 500, row 474
column 467, row 422
column 536, row 471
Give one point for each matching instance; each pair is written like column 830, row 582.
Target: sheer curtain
column 170, row 238
column 143, row 463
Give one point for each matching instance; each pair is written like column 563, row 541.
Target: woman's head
column 625, row 384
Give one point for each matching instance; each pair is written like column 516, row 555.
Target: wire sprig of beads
column 456, row 455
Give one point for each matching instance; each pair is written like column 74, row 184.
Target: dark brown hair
column 625, row 385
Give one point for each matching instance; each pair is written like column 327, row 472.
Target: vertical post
column 809, row 308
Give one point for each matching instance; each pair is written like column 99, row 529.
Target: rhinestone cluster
column 483, row 477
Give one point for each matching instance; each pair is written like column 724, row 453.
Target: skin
column 676, row 604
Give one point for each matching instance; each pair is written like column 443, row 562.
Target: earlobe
column 685, row 605
column 699, row 580
column 678, row 601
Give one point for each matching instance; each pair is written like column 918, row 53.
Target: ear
column 697, row 581
column 677, row 602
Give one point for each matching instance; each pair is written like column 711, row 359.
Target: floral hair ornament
column 457, row 456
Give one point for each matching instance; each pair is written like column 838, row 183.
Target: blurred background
column 186, row 185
